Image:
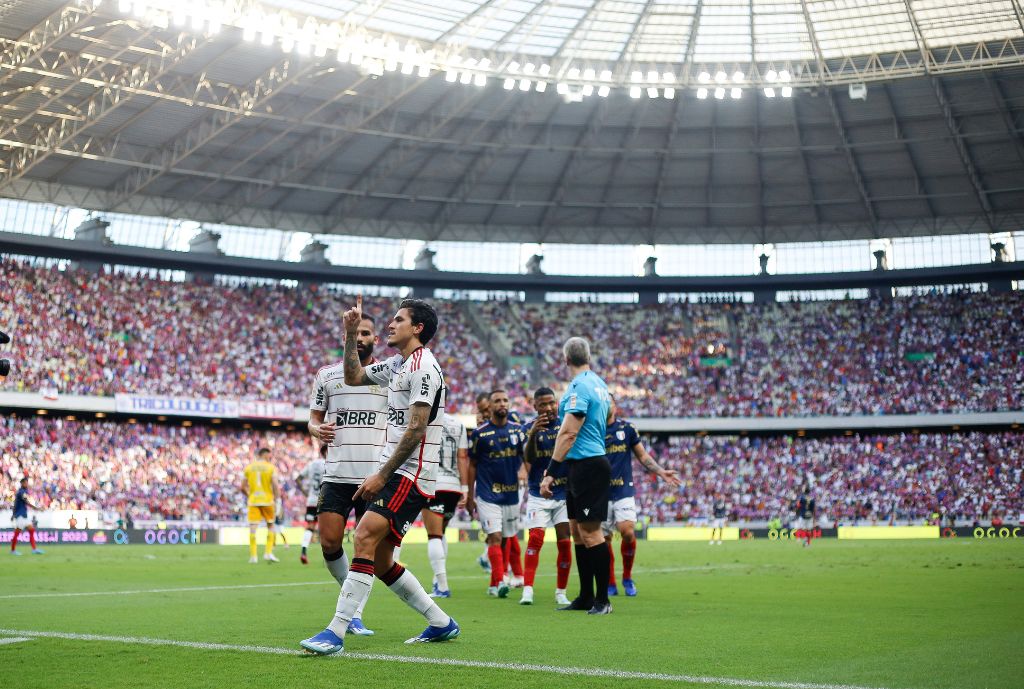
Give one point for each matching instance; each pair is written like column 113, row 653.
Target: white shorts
column 716, row 522
column 495, row 518
column 22, row 522
column 622, row 510
column 544, row 512
column 805, row 523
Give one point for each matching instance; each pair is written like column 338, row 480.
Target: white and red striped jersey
column 360, row 415
column 417, row 379
column 453, row 439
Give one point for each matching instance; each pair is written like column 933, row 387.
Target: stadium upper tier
column 89, row 334
column 167, row 472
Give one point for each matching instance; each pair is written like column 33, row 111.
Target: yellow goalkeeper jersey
column 260, row 477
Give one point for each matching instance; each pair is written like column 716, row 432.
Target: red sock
column 494, row 554
column 807, row 535
column 611, row 564
column 14, row 539
column 533, row 547
column 32, row 538
column 628, row 549
column 564, row 562
column 516, row 555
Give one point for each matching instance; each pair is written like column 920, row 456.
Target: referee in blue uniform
column 583, row 413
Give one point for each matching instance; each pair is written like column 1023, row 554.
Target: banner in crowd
column 996, row 533
column 260, row 409
column 225, row 408
column 114, row 536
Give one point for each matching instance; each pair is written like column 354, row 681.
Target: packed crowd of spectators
column 156, row 471
column 81, row 333
column 854, row 479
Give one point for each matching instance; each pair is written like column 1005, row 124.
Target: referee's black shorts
column 586, row 497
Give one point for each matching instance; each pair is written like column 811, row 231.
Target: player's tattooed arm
column 355, row 374
column 668, row 475
column 419, row 418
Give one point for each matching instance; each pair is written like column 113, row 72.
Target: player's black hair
column 481, row 396
column 263, row 451
column 367, row 317
column 543, row 392
column 421, row 313
column 496, row 390
column 23, row 479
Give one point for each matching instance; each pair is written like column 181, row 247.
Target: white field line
column 445, row 662
column 15, row 640
column 326, row 582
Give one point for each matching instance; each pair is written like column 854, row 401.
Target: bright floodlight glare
column 737, row 76
column 390, row 63
column 465, row 78
column 652, row 92
column 451, row 76
column 719, row 93
column 787, row 91
column 634, row 91
column 508, row 84
column 636, row 76
column 480, row 79
column 669, row 93
column 485, row 63
column 573, row 73
column 769, row 92
column 735, row 93
column 784, row 75
column 407, row 67
column 124, row 6
column 529, row 67
column 771, row 76
column 524, row 84
column 668, row 78
column 513, row 66
column 652, row 76
column 544, row 70
column 562, row 88
column 287, row 43
column 267, row 38
column 542, row 86
column 606, row 75
column 249, row 34
column 588, row 90
column 702, row 93
column 721, row 77
column 603, row 91
column 703, row 77
column 424, row 70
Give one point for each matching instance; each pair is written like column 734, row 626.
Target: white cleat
column 492, row 591
column 527, row 598
column 516, row 582
column 270, row 557
column 561, row 598
column 253, row 560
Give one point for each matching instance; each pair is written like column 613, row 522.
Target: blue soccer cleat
column 484, row 563
column 438, row 593
column 37, row 551
column 356, row 627
column 629, row 587
column 15, row 552
column 324, row 644
column 613, row 590
column 434, row 634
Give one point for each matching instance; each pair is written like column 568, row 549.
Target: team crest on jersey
column 621, row 435
column 572, row 401
column 513, row 439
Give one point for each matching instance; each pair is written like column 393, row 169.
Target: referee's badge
column 572, row 401
column 621, row 435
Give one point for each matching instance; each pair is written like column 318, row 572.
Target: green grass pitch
column 892, row 614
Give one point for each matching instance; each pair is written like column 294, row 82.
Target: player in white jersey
column 404, row 482
column 351, row 421
column 310, row 479
column 449, row 493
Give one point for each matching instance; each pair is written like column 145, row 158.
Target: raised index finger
column 359, row 302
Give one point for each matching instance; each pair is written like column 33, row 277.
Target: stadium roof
column 113, row 107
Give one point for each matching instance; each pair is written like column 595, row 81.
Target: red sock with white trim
column 532, row 558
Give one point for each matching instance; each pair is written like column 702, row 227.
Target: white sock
column 444, row 540
column 435, row 551
column 338, row 568
column 411, row 591
column 307, row 538
column 354, row 593
column 398, row 552
column 359, row 610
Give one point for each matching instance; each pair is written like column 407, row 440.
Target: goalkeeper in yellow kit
column 260, row 489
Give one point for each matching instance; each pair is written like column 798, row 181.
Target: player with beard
column 351, row 421
column 494, row 461
column 404, row 480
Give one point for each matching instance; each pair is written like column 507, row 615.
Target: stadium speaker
column 5, row 368
column 4, row 337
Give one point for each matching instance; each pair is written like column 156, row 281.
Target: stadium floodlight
column 652, row 92
column 719, row 93
column 544, row 70
column 634, row 92
column 653, row 76
column 357, row 56
column 485, row 63
column 721, row 77
column 513, row 67
column 287, row 43
column 769, row 92
column 737, row 77
column 480, row 79
column 179, row 16
column 573, row 73
column 587, row 90
column 451, row 76
column 407, row 67
column 735, row 93
column 249, row 34
column 636, row 77
column 606, row 75
column 529, row 68
column 784, row 76
column 508, row 84
column 525, row 84
column 703, row 77
column 603, row 91
column 771, row 76
column 471, row 62
column 589, row 74
column 669, row 93
column 542, row 86
column 787, row 91
column 465, row 78
column 124, row 6
column 424, row 70
column 562, row 88
column 139, row 9
column 702, row 93
column 668, row 78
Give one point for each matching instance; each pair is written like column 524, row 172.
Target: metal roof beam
column 953, row 125
column 622, row 156
column 587, row 133
column 34, row 43
column 851, row 159
column 798, row 132
column 999, row 96
column 914, row 167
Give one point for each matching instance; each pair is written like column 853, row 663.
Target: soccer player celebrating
column 310, row 479
column 449, row 493
column 542, row 512
column 583, row 413
column 260, row 489
column 494, row 461
column 351, row 420
column 404, row 481
column 622, row 443
column 21, row 520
